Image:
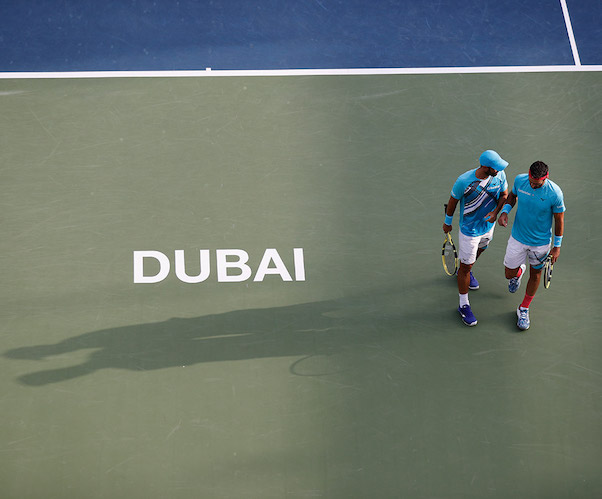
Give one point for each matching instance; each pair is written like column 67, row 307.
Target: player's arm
column 558, row 232
column 492, row 216
column 507, row 206
column 449, row 213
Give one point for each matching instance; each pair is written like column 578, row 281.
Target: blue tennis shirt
column 535, row 210
column 478, row 197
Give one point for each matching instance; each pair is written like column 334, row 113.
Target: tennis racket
column 449, row 254
column 548, row 267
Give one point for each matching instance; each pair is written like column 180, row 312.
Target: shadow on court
column 304, row 330
column 308, row 332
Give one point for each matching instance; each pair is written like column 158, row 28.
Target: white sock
column 464, row 300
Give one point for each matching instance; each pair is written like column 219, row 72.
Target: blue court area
column 231, row 287
column 271, row 34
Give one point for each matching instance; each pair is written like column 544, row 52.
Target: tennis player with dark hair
column 539, row 203
column 481, row 193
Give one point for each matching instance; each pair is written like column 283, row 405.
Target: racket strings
column 547, row 272
column 450, row 257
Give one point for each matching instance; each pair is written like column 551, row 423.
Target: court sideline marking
column 569, row 29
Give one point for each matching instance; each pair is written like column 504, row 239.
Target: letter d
column 139, row 257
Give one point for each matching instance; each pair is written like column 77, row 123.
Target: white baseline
column 298, row 72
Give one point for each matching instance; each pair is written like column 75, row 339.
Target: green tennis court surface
column 358, row 381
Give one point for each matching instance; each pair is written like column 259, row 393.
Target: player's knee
column 465, row 267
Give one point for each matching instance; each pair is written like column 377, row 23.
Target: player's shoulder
column 468, row 175
column 461, row 183
column 556, row 191
column 520, row 180
column 554, row 187
column 466, row 178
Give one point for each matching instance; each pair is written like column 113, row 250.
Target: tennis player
column 481, row 192
column 539, row 202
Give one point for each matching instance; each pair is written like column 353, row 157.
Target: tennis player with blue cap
column 481, row 193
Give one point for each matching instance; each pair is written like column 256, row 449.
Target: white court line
column 569, row 29
column 299, row 72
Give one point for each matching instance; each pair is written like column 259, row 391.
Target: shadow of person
column 298, row 330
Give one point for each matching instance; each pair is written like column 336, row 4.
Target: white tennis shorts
column 469, row 245
column 517, row 253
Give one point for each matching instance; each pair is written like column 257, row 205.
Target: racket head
column 449, row 256
column 548, row 267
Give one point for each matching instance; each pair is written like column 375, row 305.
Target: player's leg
column 536, row 256
column 484, row 241
column 534, row 280
column 467, row 254
column 524, row 321
column 514, row 263
column 464, row 278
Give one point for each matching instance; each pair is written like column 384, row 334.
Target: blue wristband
column 448, row 219
column 557, row 241
column 506, row 209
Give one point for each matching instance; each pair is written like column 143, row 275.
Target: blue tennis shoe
column 467, row 316
column 523, row 318
column 474, row 284
column 514, row 283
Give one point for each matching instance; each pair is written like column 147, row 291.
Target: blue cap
column 493, row 160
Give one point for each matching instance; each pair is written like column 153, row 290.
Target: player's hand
column 503, row 220
column 447, row 228
column 555, row 253
column 491, row 216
